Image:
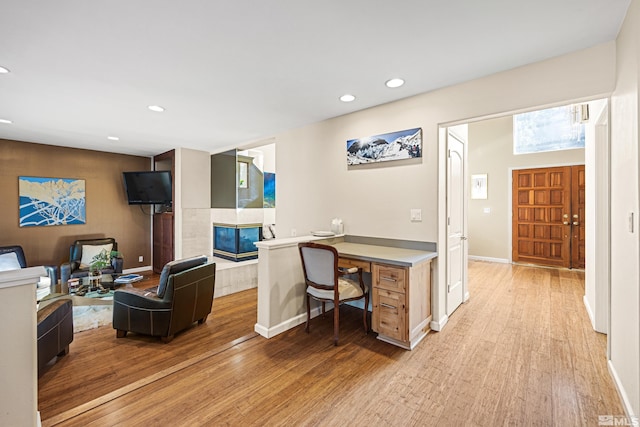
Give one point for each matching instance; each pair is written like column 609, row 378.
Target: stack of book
column 128, row 278
column 43, row 288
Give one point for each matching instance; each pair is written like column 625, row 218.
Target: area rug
column 87, row 317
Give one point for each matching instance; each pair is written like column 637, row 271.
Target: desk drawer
column 388, row 277
column 350, row 262
column 389, row 314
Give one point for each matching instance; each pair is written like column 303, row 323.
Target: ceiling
column 232, row 72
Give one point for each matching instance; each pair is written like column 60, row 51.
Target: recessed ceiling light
column 113, row 138
column 4, row 70
column 394, row 82
column 156, row 108
column 6, row 121
column 347, row 98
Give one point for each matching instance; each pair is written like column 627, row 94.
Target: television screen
column 148, row 187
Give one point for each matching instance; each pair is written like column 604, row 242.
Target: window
column 553, row 129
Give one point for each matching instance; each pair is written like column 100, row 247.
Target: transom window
column 553, row 129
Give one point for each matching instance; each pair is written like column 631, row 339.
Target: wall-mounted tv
column 148, row 187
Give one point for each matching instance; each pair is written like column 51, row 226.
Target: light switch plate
column 416, row 215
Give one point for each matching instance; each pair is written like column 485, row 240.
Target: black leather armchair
column 74, row 268
column 184, row 295
column 55, row 331
column 52, row 272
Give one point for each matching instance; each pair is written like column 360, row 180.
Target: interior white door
column 456, row 239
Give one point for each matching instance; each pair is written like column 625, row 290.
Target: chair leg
column 120, row 333
column 336, row 323
column 306, row 329
column 64, row 351
column 323, row 309
column 365, row 312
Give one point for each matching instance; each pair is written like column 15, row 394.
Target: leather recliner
column 184, row 295
column 73, row 268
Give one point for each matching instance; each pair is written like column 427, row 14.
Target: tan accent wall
column 108, row 214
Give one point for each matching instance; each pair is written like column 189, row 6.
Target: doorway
column 548, row 216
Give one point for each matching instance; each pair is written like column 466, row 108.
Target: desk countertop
column 384, row 254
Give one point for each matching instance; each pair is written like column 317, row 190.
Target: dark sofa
column 52, row 271
column 55, row 331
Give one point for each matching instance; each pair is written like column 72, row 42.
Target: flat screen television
column 148, row 187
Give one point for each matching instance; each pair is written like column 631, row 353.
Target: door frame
column 438, row 303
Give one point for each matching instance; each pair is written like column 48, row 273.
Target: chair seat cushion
column 347, row 288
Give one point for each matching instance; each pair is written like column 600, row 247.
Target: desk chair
column 326, row 282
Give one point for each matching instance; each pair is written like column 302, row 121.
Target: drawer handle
column 388, row 279
column 388, row 306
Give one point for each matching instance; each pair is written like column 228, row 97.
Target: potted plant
column 98, row 262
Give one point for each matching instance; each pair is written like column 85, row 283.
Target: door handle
column 463, row 238
column 576, row 223
column 566, row 222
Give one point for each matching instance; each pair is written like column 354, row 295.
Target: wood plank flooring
column 520, row 352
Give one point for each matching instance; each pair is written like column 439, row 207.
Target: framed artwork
column 400, row 145
column 269, row 200
column 51, row 201
column 479, row 186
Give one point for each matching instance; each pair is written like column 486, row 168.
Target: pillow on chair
column 90, row 251
column 9, row 261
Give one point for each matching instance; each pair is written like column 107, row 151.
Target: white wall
column 193, row 226
column 315, row 185
column 625, row 249
column 491, row 152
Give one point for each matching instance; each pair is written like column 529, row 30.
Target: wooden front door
column 578, row 215
column 548, row 216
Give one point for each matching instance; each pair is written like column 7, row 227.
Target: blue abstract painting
column 51, row 201
column 269, row 200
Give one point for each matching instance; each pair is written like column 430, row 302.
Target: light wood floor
column 521, row 351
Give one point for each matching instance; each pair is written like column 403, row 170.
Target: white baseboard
column 628, row 409
column 136, row 270
column 488, row 259
column 592, row 318
column 287, row 324
column 438, row 325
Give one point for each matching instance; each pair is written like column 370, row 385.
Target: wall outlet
column 140, row 258
column 416, row 215
column 293, row 232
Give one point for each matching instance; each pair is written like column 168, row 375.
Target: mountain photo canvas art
column 404, row 144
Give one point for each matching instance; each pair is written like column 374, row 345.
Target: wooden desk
column 401, row 289
column 400, row 285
